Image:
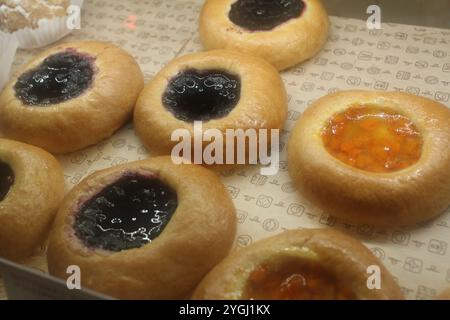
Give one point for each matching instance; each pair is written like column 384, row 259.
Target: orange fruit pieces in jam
column 372, row 138
column 295, row 280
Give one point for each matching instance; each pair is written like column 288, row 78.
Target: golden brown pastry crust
column 445, row 295
column 27, row 211
column 284, row 46
column 416, row 193
column 82, row 121
column 262, row 104
column 199, row 234
column 337, row 252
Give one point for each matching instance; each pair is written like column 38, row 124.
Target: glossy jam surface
column 126, row 214
column 6, row 179
column 58, row 78
column 373, row 139
column 202, row 95
column 264, row 15
column 295, row 279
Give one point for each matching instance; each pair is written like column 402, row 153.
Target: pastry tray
column 398, row 57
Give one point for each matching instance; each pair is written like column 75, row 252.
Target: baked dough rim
column 284, row 46
column 256, row 109
column 28, row 209
column 81, row 121
column 411, row 195
column 143, row 273
column 337, row 251
column 444, row 295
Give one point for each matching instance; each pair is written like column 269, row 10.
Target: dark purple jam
column 60, row 77
column 126, row 214
column 264, row 15
column 202, row 95
column 6, row 179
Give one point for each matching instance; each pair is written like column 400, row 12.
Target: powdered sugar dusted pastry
column 19, row 14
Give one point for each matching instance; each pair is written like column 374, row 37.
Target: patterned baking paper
column 397, row 57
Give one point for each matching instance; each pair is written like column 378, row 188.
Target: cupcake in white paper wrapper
column 8, row 47
column 38, row 23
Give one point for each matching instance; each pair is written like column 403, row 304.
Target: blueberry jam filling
column 6, row 179
column 126, row 214
column 202, row 95
column 60, row 77
column 264, row 15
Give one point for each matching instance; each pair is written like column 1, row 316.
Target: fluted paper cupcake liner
column 8, row 48
column 47, row 32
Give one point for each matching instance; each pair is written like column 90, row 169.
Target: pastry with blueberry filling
column 224, row 90
column 144, row 230
column 284, row 32
column 71, row 96
column 31, row 190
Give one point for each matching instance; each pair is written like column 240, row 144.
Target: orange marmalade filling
column 295, row 280
column 372, row 138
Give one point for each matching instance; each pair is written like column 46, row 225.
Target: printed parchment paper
column 398, row 57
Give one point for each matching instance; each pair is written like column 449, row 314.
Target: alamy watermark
column 73, row 21
column 374, row 278
column 234, row 146
column 374, row 20
column 73, row 281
